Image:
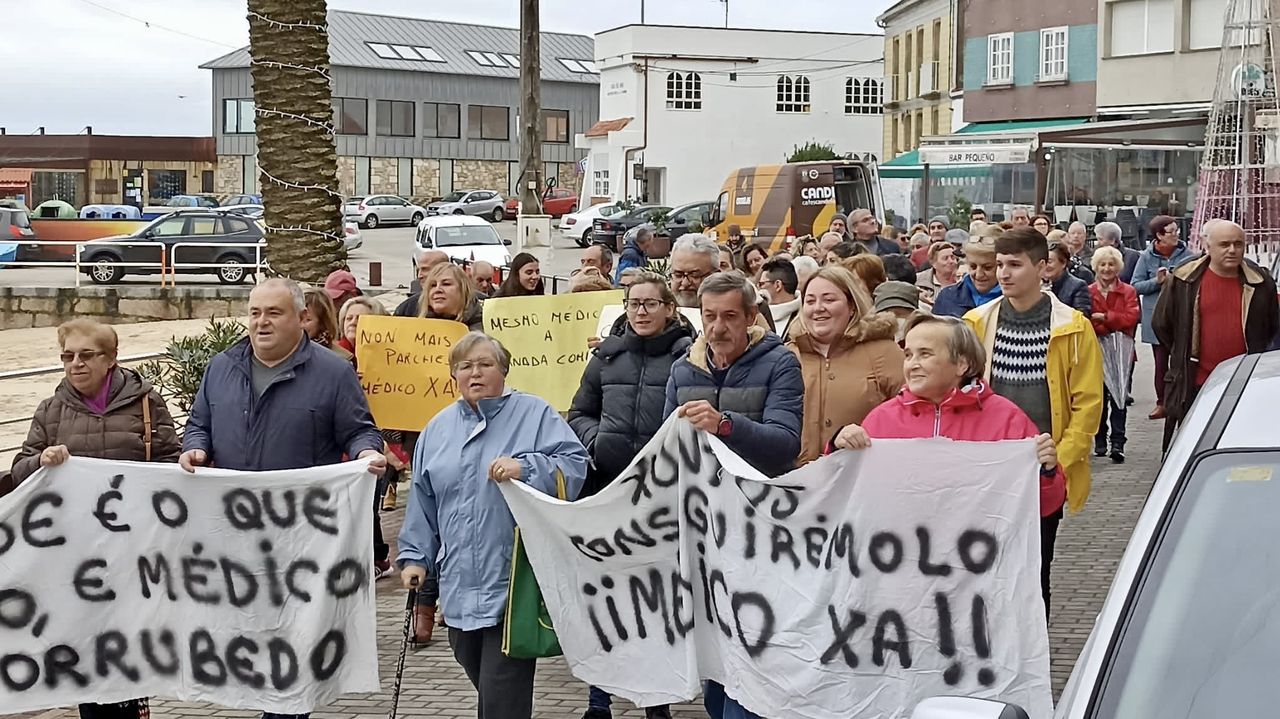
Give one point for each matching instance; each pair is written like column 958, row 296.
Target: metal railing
column 167, row 265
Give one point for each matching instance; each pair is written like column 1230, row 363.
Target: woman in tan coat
column 848, row 356
column 104, row 411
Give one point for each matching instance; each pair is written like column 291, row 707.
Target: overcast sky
column 73, row 63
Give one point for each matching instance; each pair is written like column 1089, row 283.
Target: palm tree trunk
column 289, row 46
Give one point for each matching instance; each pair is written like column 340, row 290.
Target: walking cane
column 404, row 648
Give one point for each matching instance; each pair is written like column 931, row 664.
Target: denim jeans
column 598, row 698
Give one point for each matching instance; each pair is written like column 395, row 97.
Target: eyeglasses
column 476, row 365
column 649, row 306
column 677, row 275
column 82, row 355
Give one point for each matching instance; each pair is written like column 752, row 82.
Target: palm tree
column 289, row 46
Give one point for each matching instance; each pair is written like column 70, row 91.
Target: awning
column 907, row 166
column 1020, row 125
column 12, row 178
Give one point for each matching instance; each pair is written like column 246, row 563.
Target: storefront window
column 57, row 185
column 993, row 187
column 1163, row 181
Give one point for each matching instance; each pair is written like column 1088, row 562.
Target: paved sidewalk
column 1088, row 549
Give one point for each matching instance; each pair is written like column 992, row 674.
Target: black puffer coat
column 619, row 405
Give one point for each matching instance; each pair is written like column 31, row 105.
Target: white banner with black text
column 121, row 580
column 853, row 587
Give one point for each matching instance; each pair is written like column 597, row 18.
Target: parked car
column 556, row 201
column 15, row 224
column 243, row 200
column 352, row 239
column 609, row 231
column 254, row 211
column 376, row 210
column 193, row 201
column 577, row 226
column 463, row 238
column 1192, row 621
column 684, row 219
column 481, row 203
column 205, row 236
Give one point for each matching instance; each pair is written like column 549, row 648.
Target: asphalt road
column 390, row 246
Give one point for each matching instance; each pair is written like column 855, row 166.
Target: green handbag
column 527, row 632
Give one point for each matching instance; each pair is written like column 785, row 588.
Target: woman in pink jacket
column 946, row 397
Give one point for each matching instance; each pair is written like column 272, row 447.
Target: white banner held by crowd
column 853, row 587
column 121, row 580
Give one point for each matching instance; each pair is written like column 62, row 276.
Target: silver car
column 377, row 210
column 1191, row 625
column 480, row 203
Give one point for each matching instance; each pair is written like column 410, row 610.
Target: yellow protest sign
column 547, row 339
column 404, row 368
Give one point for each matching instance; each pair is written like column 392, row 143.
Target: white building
column 683, row 107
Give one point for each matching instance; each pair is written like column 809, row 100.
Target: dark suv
column 204, row 237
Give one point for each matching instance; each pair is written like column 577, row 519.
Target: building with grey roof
column 422, row 107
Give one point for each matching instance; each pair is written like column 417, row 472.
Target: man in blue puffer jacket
column 740, row 383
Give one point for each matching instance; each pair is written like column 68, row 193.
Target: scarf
column 97, row 402
column 981, row 298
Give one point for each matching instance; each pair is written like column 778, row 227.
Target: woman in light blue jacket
column 457, row 526
column 1165, row 253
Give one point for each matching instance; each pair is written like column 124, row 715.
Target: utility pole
column 726, row 14
column 641, row 12
column 530, row 108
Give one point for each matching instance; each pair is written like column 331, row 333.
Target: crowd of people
column 981, row 334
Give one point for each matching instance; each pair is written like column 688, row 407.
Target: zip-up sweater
column 968, row 414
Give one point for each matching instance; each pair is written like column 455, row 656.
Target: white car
column 377, row 210
column 1191, row 624
column 351, row 237
column 577, row 225
column 463, row 238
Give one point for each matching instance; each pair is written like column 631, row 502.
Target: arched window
column 684, row 91
column 863, row 96
column 793, row 94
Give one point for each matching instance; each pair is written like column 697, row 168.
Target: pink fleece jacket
column 972, row 413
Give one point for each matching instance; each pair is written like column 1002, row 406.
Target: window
column 555, row 125
column 395, row 118
column 600, row 176
column 582, row 67
column 248, row 173
column 164, row 184
column 414, row 53
column 237, row 117
column 512, row 60
column 206, row 181
column 480, row 58
column 863, row 96
column 488, row 122
column 684, row 91
column 404, row 176
column 1000, row 59
column 1053, row 53
column 1207, row 18
column 362, row 176
column 1141, row 27
column 171, row 227
column 440, row 119
column 793, row 94
column 203, row 226
column 350, row 115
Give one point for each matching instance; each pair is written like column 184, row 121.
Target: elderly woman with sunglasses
column 100, row 410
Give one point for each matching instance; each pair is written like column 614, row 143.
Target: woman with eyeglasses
column 1042, row 224
column 619, row 405
column 458, row 528
column 100, row 410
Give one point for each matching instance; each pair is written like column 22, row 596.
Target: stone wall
column 346, row 175
column 480, row 175
column 426, row 180
column 51, row 306
column 568, row 176
column 229, row 176
column 384, row 176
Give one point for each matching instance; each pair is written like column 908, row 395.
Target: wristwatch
column 725, row 427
